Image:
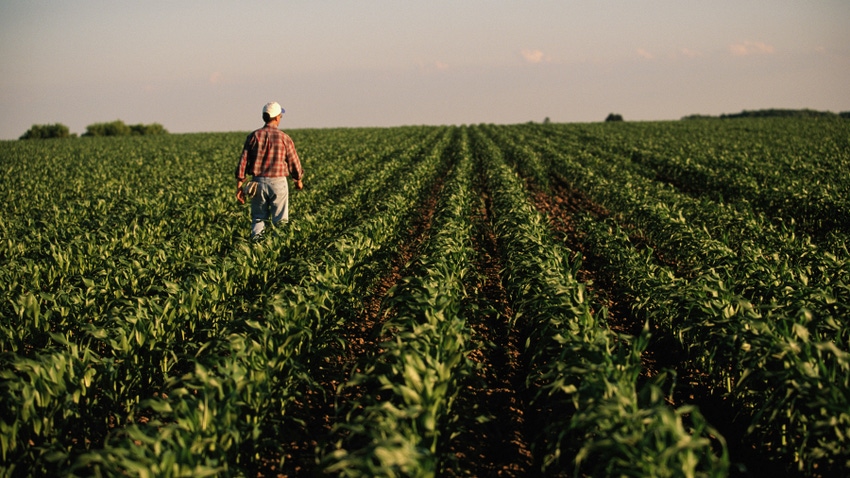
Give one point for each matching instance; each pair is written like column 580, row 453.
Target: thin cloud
column 534, row 56
column 645, row 54
column 748, row 48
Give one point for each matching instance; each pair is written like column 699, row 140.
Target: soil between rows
column 492, row 407
column 497, row 444
column 491, row 439
column 560, row 205
column 362, row 339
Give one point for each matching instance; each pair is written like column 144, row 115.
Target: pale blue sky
column 211, row 65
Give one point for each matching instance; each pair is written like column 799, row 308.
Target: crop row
column 88, row 379
column 142, row 333
column 785, row 169
column 405, row 416
column 600, row 420
column 229, row 414
column 761, row 318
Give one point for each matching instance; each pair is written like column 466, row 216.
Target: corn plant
column 402, row 426
column 599, row 420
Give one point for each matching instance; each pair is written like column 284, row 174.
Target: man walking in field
column 269, row 156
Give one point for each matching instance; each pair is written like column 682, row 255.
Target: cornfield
column 609, row 299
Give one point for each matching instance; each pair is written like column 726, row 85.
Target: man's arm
column 241, row 166
column 240, row 194
column 294, row 163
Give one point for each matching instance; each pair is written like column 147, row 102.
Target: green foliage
column 118, row 128
column 613, row 117
column 113, row 128
column 772, row 113
column 425, row 356
column 780, row 113
column 46, row 131
column 697, row 117
column 583, row 372
column 143, row 334
column 147, row 129
column 757, row 301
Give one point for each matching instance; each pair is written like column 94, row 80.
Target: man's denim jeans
column 270, row 203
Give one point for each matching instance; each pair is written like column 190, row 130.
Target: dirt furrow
column 492, row 439
column 560, row 205
column 317, row 410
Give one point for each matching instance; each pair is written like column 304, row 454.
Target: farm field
column 602, row 299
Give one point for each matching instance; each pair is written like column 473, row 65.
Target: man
column 269, row 156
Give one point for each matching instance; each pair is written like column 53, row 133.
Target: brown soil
column 492, row 410
column 560, row 205
column 362, row 339
column 495, row 444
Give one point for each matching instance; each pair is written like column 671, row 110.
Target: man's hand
column 240, row 196
column 299, row 185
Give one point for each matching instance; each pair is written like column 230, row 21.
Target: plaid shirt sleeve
column 293, row 163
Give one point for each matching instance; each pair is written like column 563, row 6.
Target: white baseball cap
column 272, row 109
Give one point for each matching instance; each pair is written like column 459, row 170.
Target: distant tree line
column 775, row 113
column 112, row 128
column 118, row 128
column 44, row 131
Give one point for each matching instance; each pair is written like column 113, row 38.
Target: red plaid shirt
column 270, row 153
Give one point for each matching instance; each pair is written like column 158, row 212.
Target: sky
column 210, row 66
